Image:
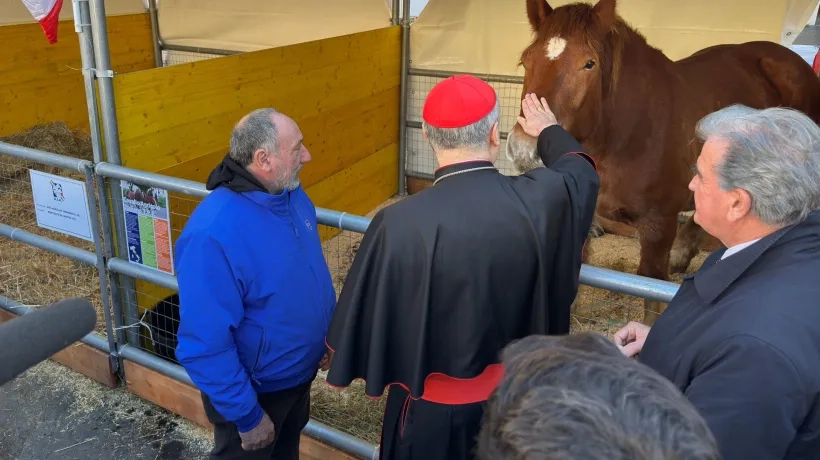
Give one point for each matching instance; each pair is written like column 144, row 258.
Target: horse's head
column 570, row 63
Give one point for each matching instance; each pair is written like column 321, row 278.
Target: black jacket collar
column 230, row 174
column 716, row 275
column 455, row 168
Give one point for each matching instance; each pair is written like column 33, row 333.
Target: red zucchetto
column 458, row 101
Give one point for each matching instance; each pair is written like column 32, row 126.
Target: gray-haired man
column 255, row 293
column 741, row 338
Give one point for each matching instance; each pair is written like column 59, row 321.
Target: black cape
column 447, row 277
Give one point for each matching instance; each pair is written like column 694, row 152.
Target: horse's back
column 758, row 74
column 744, row 54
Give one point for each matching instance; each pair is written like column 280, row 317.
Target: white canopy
column 487, row 36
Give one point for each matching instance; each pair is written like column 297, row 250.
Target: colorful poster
column 147, row 226
column 61, row 204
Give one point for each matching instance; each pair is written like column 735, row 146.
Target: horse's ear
column 538, row 10
column 605, row 9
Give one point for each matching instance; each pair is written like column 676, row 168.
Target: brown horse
column 635, row 111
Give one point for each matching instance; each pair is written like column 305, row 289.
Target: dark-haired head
column 577, row 397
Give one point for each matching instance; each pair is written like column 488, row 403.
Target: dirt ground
column 53, row 413
column 598, row 310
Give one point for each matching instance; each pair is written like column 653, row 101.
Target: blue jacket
column 256, row 298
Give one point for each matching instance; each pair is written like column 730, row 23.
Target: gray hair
column 254, row 131
column 773, row 154
column 471, row 137
column 576, row 396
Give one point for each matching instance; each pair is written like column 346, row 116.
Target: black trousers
column 289, row 410
column 422, row 430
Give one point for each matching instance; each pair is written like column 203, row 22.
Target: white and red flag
column 47, row 13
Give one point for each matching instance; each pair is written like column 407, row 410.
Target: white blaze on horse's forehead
column 555, row 46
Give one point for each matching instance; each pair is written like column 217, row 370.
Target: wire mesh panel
column 32, row 276
column 154, row 219
column 420, row 156
column 173, row 57
column 156, row 321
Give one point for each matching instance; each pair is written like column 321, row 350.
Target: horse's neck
column 646, row 85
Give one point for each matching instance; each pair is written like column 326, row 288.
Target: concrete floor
column 53, row 413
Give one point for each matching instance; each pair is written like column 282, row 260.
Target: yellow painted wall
column 344, row 93
column 42, row 83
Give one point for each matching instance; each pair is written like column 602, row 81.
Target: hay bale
column 55, row 138
column 32, row 276
column 348, row 410
column 49, row 137
column 605, row 311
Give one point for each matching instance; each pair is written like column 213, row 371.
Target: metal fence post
column 395, row 18
column 102, row 270
column 113, row 278
column 105, row 76
column 154, row 15
column 405, row 65
column 82, row 25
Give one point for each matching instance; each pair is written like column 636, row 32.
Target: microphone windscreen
column 32, row 338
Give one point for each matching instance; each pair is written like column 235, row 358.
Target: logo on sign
column 57, row 191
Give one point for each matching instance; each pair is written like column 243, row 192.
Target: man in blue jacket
column 256, row 295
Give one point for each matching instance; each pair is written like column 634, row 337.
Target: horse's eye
column 590, row 64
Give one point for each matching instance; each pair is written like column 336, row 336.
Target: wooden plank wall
column 42, row 83
column 343, row 92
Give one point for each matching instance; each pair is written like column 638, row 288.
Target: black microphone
column 32, row 338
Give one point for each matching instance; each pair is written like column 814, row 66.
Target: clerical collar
column 461, row 168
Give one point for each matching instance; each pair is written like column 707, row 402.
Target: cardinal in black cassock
column 447, row 277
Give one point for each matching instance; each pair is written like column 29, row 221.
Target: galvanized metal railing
column 109, row 265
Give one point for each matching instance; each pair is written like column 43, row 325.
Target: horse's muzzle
column 521, row 151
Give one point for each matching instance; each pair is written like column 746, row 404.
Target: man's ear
column 495, row 135
column 740, row 205
column 261, row 160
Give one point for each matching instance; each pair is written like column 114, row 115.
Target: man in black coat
column 444, row 279
column 741, row 338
